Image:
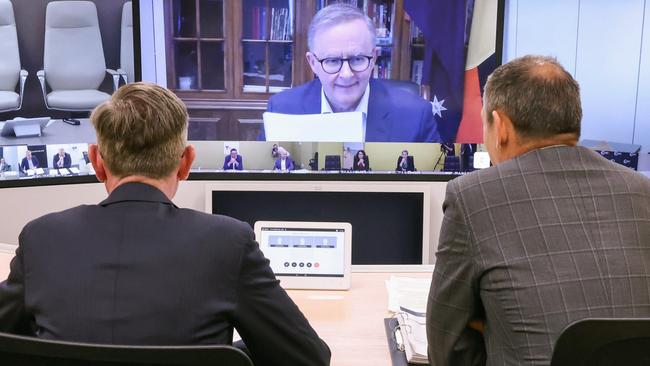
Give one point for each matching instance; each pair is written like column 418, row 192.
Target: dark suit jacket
column 531, row 245
column 67, row 161
column 227, row 166
column 366, row 163
column 24, row 164
column 289, row 164
column 410, row 165
column 136, row 269
column 394, row 115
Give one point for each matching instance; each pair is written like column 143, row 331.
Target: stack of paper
column 413, row 328
column 407, row 297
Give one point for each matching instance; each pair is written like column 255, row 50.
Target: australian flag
column 445, row 25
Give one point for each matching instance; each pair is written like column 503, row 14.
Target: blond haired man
column 136, row 269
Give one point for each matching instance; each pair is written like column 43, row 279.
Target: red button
column 316, row 265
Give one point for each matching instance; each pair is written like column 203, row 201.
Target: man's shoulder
column 291, row 99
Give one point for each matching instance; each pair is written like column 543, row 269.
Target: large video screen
column 225, row 60
column 59, row 60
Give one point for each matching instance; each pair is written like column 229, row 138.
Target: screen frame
column 339, row 186
column 307, row 282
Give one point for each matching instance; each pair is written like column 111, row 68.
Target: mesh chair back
column 27, row 351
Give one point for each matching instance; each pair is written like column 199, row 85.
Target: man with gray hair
column 342, row 54
column 137, row 270
column 551, row 234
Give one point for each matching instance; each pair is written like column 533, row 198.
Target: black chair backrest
column 28, row 351
column 405, row 85
column 332, row 162
column 604, row 342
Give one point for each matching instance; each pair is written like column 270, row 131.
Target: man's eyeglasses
column 332, row 65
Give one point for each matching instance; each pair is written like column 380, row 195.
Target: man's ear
column 97, row 162
column 186, row 162
column 503, row 127
column 312, row 61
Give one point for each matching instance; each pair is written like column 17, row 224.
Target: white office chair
column 73, row 58
column 126, row 44
column 10, row 71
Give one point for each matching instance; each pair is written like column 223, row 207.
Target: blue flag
column 445, row 26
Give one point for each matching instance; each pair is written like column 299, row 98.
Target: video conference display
column 304, row 252
column 39, row 59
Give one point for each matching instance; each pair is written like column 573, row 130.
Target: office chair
column 10, row 71
column 406, row 85
column 28, row 351
column 604, row 342
column 73, row 58
column 126, row 44
column 332, row 162
column 451, row 164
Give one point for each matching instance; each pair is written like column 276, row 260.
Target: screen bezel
column 312, row 282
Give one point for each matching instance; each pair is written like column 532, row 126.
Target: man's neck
column 525, row 145
column 167, row 185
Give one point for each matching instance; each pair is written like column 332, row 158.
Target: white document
column 327, row 127
column 414, row 333
column 53, row 172
column 39, row 171
column 74, row 170
column 63, row 171
column 408, row 292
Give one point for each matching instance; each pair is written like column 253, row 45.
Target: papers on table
column 408, row 292
column 407, row 297
column 328, row 127
column 413, row 330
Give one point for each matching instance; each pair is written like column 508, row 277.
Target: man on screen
column 233, row 161
column 61, row 160
column 136, row 269
column 29, row 162
column 342, row 54
column 551, row 234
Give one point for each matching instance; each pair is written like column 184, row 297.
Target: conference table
column 351, row 322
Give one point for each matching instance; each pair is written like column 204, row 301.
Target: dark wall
column 30, row 24
column 386, row 226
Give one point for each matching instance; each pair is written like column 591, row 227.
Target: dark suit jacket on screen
column 394, row 115
column 227, row 166
column 410, row 164
column 136, row 269
column 24, row 164
column 356, row 161
column 289, row 164
column 67, row 161
column 531, row 245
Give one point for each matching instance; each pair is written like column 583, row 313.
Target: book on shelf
column 417, row 66
column 262, row 89
column 258, row 22
column 417, row 37
column 281, row 24
column 381, row 14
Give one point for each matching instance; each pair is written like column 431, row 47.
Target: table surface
column 351, row 322
column 57, row 132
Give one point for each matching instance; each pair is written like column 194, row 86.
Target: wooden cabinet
column 225, row 58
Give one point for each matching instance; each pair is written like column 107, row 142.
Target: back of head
column 540, row 97
column 141, row 130
column 337, row 13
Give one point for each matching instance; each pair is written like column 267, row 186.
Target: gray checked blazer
column 531, row 245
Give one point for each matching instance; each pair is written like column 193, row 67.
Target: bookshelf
column 225, row 58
